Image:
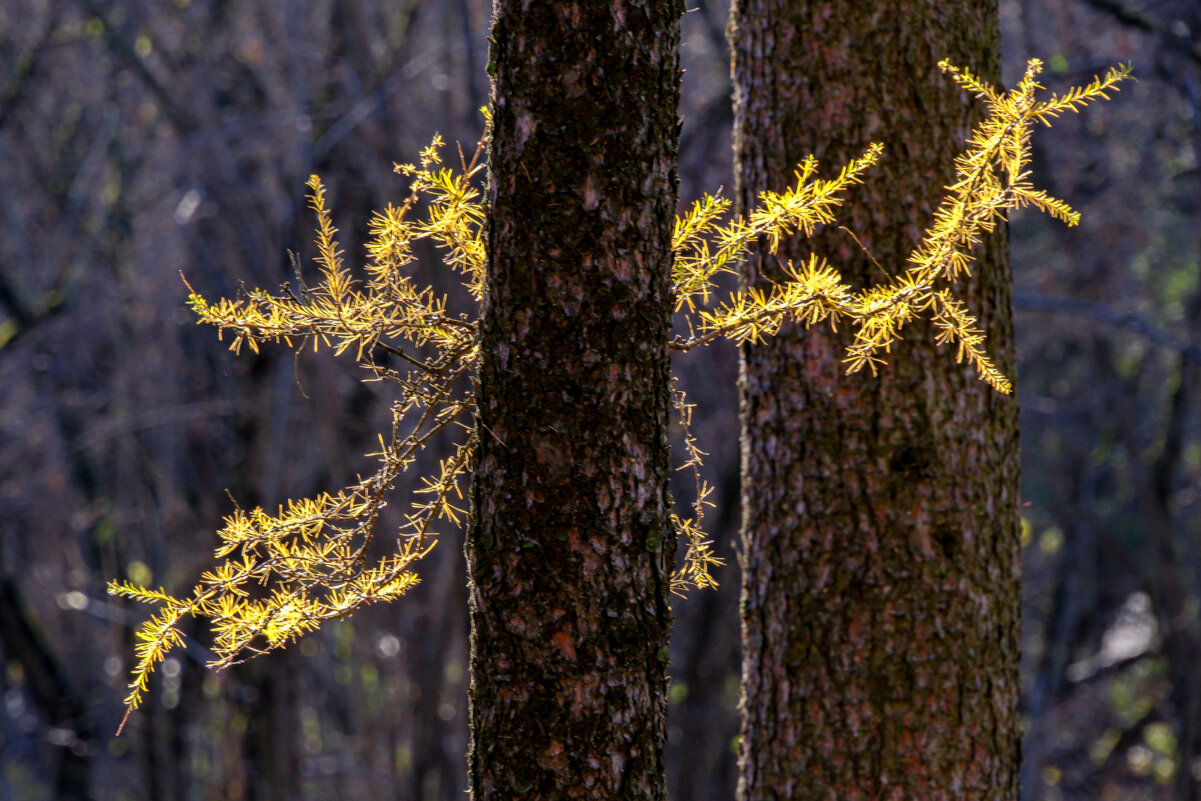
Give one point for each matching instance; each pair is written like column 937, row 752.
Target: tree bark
column 570, row 546
column 880, row 590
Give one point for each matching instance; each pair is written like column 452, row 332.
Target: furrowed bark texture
column 880, row 593
column 570, row 547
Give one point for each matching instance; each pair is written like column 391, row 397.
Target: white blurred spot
column 187, row 206
column 73, row 600
column 388, row 645
column 1130, row 636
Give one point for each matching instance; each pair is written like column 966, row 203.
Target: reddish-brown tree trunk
column 570, row 548
column 880, row 593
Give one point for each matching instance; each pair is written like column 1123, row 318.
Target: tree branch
column 1037, row 302
column 1135, row 19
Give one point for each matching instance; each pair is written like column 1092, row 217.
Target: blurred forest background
column 139, row 138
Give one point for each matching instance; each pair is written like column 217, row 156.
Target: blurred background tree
column 141, row 138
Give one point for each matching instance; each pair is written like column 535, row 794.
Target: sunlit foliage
column 991, row 178
column 281, row 575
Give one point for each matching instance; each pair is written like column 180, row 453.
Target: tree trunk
column 880, row 590
column 570, row 546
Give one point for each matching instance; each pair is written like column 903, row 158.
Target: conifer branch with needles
column 316, row 559
column 991, row 179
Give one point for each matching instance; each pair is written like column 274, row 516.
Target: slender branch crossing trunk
column 570, row 546
column 880, row 594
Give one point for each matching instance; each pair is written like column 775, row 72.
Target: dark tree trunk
column 23, row 643
column 570, row 548
column 880, row 592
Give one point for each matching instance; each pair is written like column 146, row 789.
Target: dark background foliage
column 139, row 139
